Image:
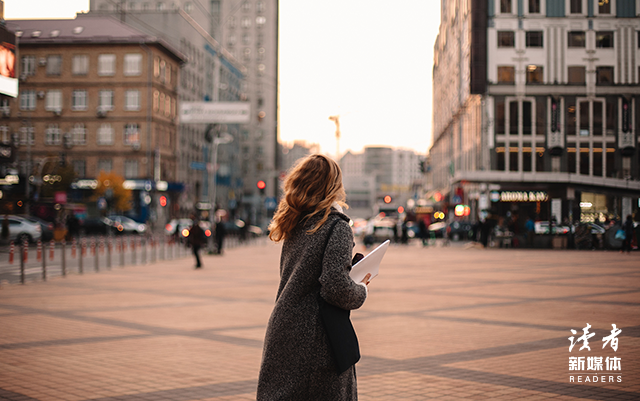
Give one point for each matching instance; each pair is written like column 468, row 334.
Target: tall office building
column 537, row 108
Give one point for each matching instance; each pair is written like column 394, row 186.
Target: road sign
column 198, row 166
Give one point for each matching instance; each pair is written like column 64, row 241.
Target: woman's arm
column 337, row 287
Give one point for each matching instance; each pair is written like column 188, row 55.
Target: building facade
column 543, row 119
column 98, row 95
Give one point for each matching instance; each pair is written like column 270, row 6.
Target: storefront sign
column 523, row 196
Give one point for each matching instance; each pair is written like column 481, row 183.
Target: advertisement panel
column 8, row 81
column 215, row 112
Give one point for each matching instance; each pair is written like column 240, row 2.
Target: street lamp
column 221, row 139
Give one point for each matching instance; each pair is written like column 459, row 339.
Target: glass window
column 577, row 75
column 505, row 6
column 54, row 65
column 132, row 100
column 105, row 134
column 105, row 165
column 188, row 7
column 246, row 22
column 105, row 100
column 106, row 64
column 80, row 168
column 4, row 134
column 130, row 169
column 604, row 39
column 53, row 101
column 28, row 65
column 159, row 6
column 260, row 7
column 131, row 134
column 500, row 117
column 513, row 118
column 132, row 64
column 604, row 7
column 52, row 135
column 146, row 6
column 534, row 6
column 576, row 7
column 604, row 75
column 506, row 75
column 534, row 74
column 79, row 134
column 79, row 100
column 28, row 100
column 260, row 21
column 246, row 6
column 506, row 39
column 80, row 65
column 527, row 118
column 27, row 132
column 534, row 39
column 576, row 39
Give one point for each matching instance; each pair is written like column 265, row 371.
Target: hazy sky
column 368, row 61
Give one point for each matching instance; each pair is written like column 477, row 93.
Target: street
column 440, row 322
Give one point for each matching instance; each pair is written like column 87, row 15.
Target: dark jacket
column 196, row 236
column 296, row 362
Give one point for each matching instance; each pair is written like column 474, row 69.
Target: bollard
column 64, row 257
column 96, row 253
column 101, row 248
column 22, row 261
column 80, row 255
column 133, row 251
column 153, row 250
column 92, row 245
column 52, row 247
column 39, row 251
column 121, row 241
column 25, row 251
column 44, row 262
column 73, row 247
column 109, row 253
column 11, row 251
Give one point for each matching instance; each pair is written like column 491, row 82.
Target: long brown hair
column 310, row 188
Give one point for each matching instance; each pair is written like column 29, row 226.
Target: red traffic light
column 387, row 199
column 261, row 184
column 163, row 201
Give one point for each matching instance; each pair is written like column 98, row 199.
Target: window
column 54, row 64
column 260, row 21
column 506, row 39
column 105, row 135
column 28, row 100
column 188, row 7
column 506, row 75
column 79, row 100
column 260, row 7
column 604, row 75
column 52, row 135
column 80, row 65
column 130, row 169
column 246, row 6
column 246, row 22
column 159, row 6
column 146, row 6
column 132, row 100
column 79, row 134
column 27, row 132
column 105, row 100
column 246, row 39
column 53, row 101
column 534, row 74
column 576, row 7
column 534, row 6
column 577, row 75
column 132, row 64
column 133, row 6
column 131, row 134
column 4, row 134
column 534, row 39
column 167, row 79
column 576, row 39
column 604, row 39
column 106, row 64
column 604, row 7
column 505, row 6
column 80, row 168
column 28, row 65
column 105, row 165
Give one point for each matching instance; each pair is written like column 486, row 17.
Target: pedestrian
column 628, row 234
column 297, row 361
column 530, row 231
column 196, row 239
column 221, row 231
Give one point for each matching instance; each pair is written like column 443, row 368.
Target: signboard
column 198, row 166
column 215, row 112
column 8, row 81
column 60, row 197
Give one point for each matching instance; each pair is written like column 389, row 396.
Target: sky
column 367, row 61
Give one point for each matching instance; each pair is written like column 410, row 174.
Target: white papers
column 370, row 263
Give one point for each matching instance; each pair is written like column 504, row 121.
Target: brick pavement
column 447, row 323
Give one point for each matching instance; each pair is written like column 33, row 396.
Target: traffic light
column 261, row 186
column 387, row 199
column 163, row 201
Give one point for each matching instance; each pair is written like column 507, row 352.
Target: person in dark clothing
column 196, row 240
column 221, row 231
column 628, row 232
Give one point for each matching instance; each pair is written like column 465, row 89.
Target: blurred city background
column 509, row 123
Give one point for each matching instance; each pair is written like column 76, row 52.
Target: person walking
column 628, row 234
column 196, row 239
column 221, row 231
column 297, row 361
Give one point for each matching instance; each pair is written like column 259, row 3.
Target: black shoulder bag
column 343, row 341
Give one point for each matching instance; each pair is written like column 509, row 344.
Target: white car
column 125, row 225
column 21, row 229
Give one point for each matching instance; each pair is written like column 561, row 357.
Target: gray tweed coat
column 296, row 362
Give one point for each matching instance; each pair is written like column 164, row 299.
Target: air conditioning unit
column 101, row 112
column 23, row 78
column 41, row 94
column 136, row 146
column 57, row 113
column 42, row 61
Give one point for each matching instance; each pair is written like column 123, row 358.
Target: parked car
column 125, row 225
column 95, row 226
column 45, row 226
column 181, row 225
column 21, row 229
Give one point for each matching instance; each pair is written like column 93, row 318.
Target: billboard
column 8, row 81
column 215, row 112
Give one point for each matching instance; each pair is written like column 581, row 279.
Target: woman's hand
column 367, row 279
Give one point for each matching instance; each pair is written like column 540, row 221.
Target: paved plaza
column 443, row 322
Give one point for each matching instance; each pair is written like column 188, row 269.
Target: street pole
column 220, row 139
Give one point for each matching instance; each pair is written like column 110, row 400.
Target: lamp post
column 221, row 139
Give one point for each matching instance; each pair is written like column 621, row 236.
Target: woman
column 297, row 363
